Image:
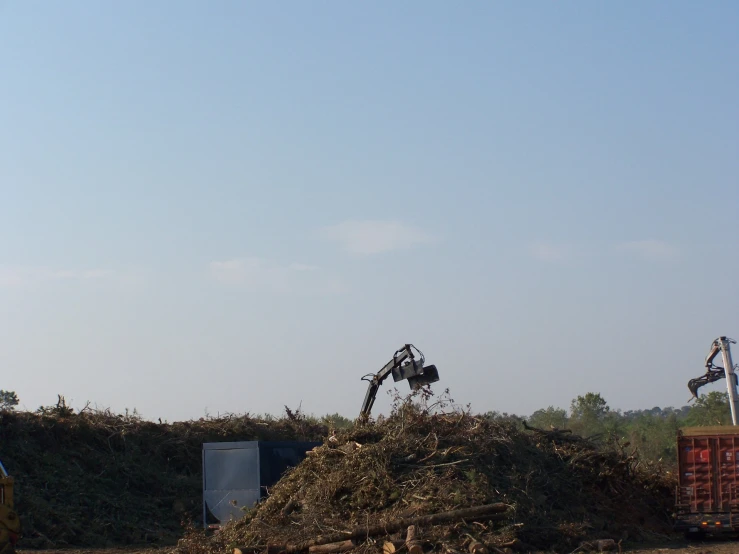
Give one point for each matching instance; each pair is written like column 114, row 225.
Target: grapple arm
column 403, row 366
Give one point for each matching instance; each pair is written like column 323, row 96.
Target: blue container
column 236, row 475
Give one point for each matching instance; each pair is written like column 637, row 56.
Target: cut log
column 289, row 508
column 606, row 545
column 391, row 547
column 602, row 545
column 487, row 512
column 342, row 546
column 411, row 541
column 476, row 547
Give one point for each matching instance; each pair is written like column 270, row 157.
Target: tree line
column 651, row 431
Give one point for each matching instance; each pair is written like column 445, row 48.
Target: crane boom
column 714, row 373
column 403, row 366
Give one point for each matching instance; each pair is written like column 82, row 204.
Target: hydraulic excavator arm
column 715, row 373
column 404, row 365
column 706, row 379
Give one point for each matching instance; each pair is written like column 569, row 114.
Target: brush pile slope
column 100, row 479
column 561, row 489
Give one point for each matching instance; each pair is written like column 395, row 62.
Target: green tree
column 549, row 418
column 654, row 436
column 710, row 409
column 589, row 413
column 613, row 424
column 494, row 415
column 337, row 421
column 8, row 400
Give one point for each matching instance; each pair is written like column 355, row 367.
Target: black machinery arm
column 713, row 372
column 376, row 380
column 709, row 377
column 715, row 350
column 403, row 366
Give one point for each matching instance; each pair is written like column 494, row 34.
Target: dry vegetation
column 100, row 479
column 561, row 489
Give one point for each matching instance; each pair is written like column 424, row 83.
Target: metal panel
column 230, row 480
column 236, row 474
column 430, row 375
column 708, row 473
column 232, row 469
column 710, row 430
column 230, row 445
column 229, row 505
column 411, row 369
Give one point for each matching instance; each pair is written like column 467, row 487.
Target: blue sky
column 236, row 206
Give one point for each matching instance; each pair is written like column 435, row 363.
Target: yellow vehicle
column 10, row 524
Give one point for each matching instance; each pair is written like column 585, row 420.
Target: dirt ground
column 708, row 547
column 722, row 547
column 718, row 547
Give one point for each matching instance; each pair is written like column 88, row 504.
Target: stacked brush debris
column 452, row 482
column 100, row 479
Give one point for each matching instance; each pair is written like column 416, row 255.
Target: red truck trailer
column 707, row 495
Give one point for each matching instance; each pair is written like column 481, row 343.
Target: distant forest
column 652, row 432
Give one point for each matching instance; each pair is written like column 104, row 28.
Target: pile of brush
column 95, row 478
column 445, row 480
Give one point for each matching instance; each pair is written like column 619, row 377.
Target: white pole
column 730, row 378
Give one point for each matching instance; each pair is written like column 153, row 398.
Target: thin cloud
column 13, row 276
column 374, row 237
column 261, row 274
column 651, row 249
column 549, row 252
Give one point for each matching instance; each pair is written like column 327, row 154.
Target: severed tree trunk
column 489, row 512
